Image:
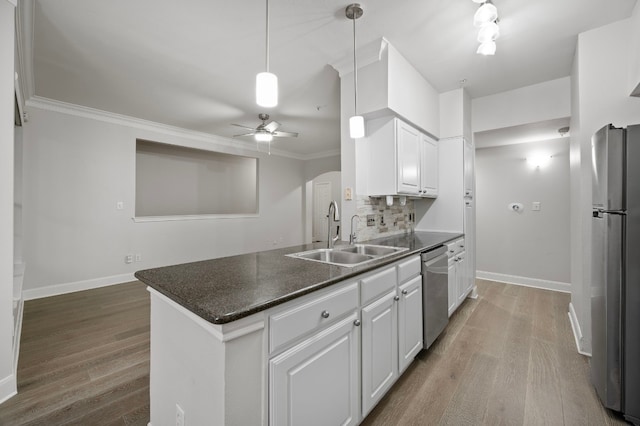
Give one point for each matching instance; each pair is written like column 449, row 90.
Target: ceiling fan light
column 478, row 1
column 263, row 136
column 487, row 49
column 488, row 32
column 356, row 127
column 485, row 14
column 266, row 89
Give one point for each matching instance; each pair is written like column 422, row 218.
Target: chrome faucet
column 352, row 235
column 335, row 218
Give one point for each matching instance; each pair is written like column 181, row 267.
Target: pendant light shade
column 266, row 82
column 485, row 14
column 266, row 89
column 356, row 127
column 488, row 32
column 356, row 122
column 488, row 48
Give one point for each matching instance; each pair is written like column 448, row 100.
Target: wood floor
column 507, row 358
column 84, row 360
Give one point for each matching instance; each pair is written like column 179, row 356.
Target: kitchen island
column 210, row 326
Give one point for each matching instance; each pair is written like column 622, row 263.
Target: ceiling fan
column 265, row 132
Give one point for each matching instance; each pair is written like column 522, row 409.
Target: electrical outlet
column 138, row 257
column 128, row 259
column 371, row 220
column 179, row 415
column 348, row 194
column 535, row 206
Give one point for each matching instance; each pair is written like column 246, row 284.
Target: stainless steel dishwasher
column 435, row 291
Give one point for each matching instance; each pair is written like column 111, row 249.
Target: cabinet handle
column 396, row 298
column 325, row 314
column 405, row 291
column 357, row 323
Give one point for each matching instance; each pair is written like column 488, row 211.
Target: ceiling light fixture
column 356, row 122
column 266, row 82
column 263, row 136
column 486, row 18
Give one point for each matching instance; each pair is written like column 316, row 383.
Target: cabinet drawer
column 455, row 247
column 409, row 269
column 377, row 284
column 310, row 315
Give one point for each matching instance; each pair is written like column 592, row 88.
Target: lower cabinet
column 379, row 349
column 316, row 381
column 333, row 357
column 410, row 323
column 461, row 278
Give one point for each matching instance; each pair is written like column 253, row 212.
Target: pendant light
column 266, row 82
column 356, row 123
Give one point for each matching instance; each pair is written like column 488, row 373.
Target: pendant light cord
column 355, row 70
column 267, row 39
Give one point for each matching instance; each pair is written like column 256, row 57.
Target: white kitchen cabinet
column 398, row 159
column 316, row 381
column 409, row 322
column 379, row 349
column 428, row 167
column 459, row 283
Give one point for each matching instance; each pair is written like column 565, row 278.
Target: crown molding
column 323, row 154
column 124, row 120
column 367, row 54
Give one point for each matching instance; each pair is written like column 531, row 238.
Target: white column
column 7, row 34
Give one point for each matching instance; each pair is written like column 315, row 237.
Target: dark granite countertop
column 229, row 288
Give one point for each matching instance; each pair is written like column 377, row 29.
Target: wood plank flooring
column 507, row 358
column 84, row 360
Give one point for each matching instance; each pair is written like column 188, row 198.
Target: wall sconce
column 537, row 161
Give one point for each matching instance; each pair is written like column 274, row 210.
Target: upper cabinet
column 428, row 167
column 397, row 159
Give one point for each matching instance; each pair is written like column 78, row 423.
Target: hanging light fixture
column 485, row 14
column 486, row 18
column 356, row 122
column 266, row 82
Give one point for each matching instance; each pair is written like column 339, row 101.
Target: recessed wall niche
column 174, row 180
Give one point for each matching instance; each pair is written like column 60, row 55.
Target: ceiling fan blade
column 285, row 134
column 271, row 127
column 244, row 127
column 245, row 134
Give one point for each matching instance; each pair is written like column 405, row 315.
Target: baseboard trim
column 525, row 281
column 8, row 387
column 58, row 289
column 577, row 331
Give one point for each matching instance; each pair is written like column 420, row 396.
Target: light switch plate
column 535, row 206
column 348, row 194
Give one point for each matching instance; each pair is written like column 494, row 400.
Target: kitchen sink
column 349, row 256
column 371, row 250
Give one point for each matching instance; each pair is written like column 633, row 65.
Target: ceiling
column 192, row 63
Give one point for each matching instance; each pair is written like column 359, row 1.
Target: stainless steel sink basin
column 348, row 255
column 371, row 250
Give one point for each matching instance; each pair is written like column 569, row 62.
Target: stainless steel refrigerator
column 615, row 268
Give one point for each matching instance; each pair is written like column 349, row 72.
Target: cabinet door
column 469, row 168
column 428, row 167
column 379, row 349
column 461, row 277
column 453, row 285
column 408, row 146
column 410, row 322
column 316, row 381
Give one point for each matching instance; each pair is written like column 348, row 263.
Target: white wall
column 7, row 378
column 77, row 169
column 601, row 66
column 530, row 104
column 526, row 247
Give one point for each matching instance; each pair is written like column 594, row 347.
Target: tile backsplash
column 389, row 220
